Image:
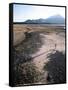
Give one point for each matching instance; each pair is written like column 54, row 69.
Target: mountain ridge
column 56, row 19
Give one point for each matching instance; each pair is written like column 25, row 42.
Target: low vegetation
column 56, row 67
column 26, row 73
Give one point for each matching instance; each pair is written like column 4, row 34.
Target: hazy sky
column 24, row 12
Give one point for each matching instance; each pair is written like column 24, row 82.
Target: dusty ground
column 53, row 40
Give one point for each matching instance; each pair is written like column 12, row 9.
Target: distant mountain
column 35, row 21
column 56, row 19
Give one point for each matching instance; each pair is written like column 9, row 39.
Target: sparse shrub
column 27, row 73
column 56, row 67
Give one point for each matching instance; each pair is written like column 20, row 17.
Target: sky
column 22, row 13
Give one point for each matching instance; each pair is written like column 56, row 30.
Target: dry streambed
column 53, row 42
